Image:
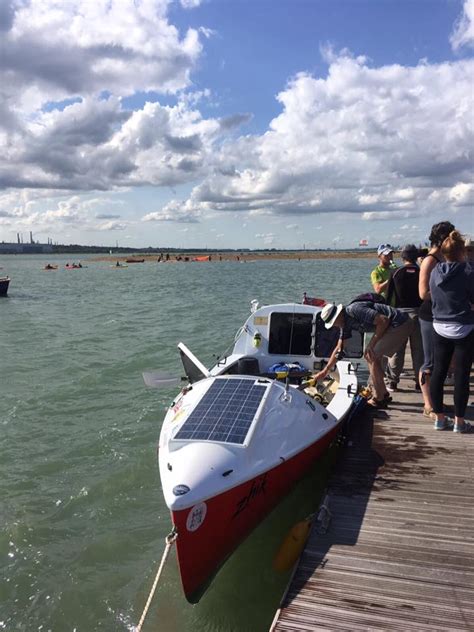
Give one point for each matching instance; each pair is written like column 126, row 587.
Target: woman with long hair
column 452, row 297
column 438, row 234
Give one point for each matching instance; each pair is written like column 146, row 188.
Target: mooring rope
column 170, row 539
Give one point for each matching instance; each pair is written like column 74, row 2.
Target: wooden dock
column 399, row 550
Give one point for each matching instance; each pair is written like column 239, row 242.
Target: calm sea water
column 83, row 521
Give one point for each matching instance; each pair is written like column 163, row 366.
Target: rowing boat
column 238, row 436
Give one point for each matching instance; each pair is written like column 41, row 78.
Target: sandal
column 466, row 428
column 428, row 412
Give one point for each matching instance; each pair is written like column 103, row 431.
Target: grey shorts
column 427, row 336
column 393, row 339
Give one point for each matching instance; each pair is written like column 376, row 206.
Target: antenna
column 291, row 330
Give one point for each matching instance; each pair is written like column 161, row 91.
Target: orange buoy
column 292, row 546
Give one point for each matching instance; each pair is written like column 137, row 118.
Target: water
column 82, row 517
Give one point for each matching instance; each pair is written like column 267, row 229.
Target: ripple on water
column 83, row 519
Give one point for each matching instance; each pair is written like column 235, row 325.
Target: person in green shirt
column 380, row 277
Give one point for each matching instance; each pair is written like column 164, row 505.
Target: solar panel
column 225, row 412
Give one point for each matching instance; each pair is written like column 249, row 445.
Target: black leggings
column 444, row 349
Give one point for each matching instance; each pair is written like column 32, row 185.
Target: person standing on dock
column 452, row 297
column 438, row 234
column 380, row 278
column 391, row 328
column 381, row 274
column 402, row 293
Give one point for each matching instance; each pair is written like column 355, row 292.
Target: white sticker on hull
column 196, row 517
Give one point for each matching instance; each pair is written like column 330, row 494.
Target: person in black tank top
column 425, row 312
column 402, row 293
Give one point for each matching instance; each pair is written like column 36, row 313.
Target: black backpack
column 369, row 297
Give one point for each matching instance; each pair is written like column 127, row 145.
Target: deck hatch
column 225, row 413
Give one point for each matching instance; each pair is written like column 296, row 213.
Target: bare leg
column 425, row 390
column 458, row 422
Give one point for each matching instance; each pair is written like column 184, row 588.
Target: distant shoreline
column 243, row 256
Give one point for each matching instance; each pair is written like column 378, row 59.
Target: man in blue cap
column 380, row 278
column 380, row 275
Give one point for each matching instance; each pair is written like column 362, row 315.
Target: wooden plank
column 399, row 554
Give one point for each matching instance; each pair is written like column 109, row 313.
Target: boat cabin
column 288, row 334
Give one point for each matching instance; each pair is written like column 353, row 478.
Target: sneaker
column 391, row 386
column 466, row 428
column 446, row 424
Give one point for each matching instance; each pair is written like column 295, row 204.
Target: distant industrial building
column 30, row 248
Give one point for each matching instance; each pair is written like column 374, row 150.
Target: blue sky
column 231, row 124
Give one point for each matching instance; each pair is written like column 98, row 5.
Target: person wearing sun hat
column 391, row 328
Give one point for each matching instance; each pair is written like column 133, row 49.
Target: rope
column 170, row 539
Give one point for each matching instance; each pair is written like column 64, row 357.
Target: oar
column 157, row 379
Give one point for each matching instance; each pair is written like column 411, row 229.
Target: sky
column 235, row 123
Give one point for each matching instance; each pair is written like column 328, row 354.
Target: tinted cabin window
column 326, row 340
column 290, row 334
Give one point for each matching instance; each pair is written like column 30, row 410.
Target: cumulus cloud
column 113, row 226
column 462, row 194
column 95, row 144
column 107, row 216
column 190, row 4
column 385, row 143
column 57, row 213
column 53, row 49
column 64, row 70
column 235, row 120
column 174, row 211
column 463, row 33
column 267, row 238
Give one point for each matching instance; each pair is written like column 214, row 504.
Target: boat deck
column 399, row 551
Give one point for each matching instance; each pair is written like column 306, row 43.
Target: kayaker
column 391, row 328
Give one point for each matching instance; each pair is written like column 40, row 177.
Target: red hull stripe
column 227, row 519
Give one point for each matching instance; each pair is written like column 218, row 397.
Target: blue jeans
column 427, row 337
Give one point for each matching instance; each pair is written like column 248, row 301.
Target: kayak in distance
column 74, row 266
column 50, row 266
column 239, row 436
